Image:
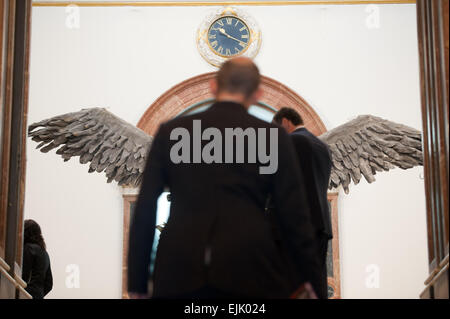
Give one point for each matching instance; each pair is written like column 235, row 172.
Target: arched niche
column 196, row 90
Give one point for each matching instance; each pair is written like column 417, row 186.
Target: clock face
column 227, row 33
column 228, row 36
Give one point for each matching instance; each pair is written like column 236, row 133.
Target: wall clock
column 228, row 33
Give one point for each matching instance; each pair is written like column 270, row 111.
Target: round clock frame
column 210, row 54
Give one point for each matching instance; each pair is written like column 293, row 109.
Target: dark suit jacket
column 36, row 271
column 218, row 233
column 315, row 159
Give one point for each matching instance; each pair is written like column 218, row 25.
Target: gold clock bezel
column 207, row 51
column 240, row 52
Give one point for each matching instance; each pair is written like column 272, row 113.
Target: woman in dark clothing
column 36, row 270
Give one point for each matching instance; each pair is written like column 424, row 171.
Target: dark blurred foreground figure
column 219, row 241
column 315, row 161
column 36, row 270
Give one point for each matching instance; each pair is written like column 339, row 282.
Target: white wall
column 123, row 58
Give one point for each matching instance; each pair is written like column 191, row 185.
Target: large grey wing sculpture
column 369, row 144
column 97, row 136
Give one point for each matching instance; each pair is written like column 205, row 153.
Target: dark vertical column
column 6, row 281
column 17, row 131
column 14, row 80
column 26, row 64
column 432, row 26
column 3, row 39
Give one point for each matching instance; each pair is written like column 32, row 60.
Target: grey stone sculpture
column 361, row 147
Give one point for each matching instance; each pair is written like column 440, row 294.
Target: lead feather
column 369, row 144
column 97, row 137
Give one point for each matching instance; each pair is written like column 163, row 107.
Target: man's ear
column 287, row 125
column 213, row 86
column 254, row 98
column 258, row 94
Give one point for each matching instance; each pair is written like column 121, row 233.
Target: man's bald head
column 238, row 76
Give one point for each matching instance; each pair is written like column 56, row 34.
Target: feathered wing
column 369, row 144
column 97, row 136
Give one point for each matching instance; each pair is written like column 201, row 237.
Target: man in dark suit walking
column 315, row 161
column 220, row 166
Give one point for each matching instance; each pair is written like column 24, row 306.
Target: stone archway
column 196, row 89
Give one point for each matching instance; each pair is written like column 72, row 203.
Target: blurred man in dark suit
column 315, row 162
column 220, row 166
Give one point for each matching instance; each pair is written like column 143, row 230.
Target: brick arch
column 196, row 89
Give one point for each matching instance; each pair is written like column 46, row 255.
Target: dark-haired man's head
column 237, row 80
column 288, row 118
